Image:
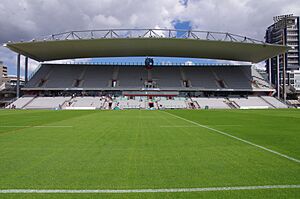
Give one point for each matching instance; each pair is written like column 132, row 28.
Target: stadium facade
column 7, row 86
column 146, row 85
column 285, row 31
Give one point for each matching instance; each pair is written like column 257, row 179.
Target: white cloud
column 108, row 21
column 245, row 17
column 190, row 63
column 232, row 62
column 32, row 65
column 260, row 66
column 69, row 61
column 166, row 63
column 27, row 19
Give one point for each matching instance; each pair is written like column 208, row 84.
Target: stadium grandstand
column 148, row 85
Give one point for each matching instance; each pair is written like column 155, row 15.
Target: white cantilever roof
column 72, row 45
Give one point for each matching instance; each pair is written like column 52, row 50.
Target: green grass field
column 138, row 149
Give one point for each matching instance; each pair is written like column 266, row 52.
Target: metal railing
column 142, row 64
column 148, row 33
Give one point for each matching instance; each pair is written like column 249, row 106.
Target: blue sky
column 185, row 25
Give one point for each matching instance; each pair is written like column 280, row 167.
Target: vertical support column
column 18, row 74
column 270, row 71
column 283, row 68
column 278, row 78
column 284, row 79
column 26, row 69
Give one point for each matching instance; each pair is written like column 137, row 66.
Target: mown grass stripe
column 237, row 138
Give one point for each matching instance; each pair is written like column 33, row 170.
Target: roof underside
column 163, row 47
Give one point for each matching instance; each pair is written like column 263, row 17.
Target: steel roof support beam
column 26, row 69
column 143, row 33
column 270, row 70
column 18, row 74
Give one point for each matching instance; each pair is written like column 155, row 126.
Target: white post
column 270, row 71
column 278, row 80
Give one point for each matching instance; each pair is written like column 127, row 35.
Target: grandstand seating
column 274, row 102
column 143, row 102
column 47, row 102
column 97, row 76
column 41, row 74
column 166, row 77
column 62, row 77
column 97, row 102
column 201, row 77
column 134, row 77
column 258, row 80
column 234, row 78
column 294, row 103
column 176, row 103
column 251, row 102
column 130, row 104
column 21, row 102
column 215, row 103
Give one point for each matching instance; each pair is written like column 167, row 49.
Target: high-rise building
column 285, row 33
column 3, row 70
column 7, row 86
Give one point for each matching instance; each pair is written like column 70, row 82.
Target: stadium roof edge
column 150, row 42
column 157, row 64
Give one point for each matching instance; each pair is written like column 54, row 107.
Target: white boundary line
column 28, row 191
column 237, row 138
column 178, row 126
column 52, row 126
column 36, row 126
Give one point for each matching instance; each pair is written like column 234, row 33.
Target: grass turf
column 149, row 149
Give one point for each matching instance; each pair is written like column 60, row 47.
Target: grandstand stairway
column 22, row 102
column 275, row 102
column 68, row 103
column 79, row 81
column 231, row 104
column 196, row 105
column 115, row 75
column 271, row 105
column 220, row 82
column 149, row 74
column 28, row 102
column 44, row 80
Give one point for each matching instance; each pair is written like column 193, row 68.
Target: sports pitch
column 150, row 154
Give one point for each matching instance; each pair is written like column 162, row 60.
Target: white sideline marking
column 178, row 126
column 185, row 126
column 225, row 125
column 237, row 138
column 12, row 126
column 52, row 126
column 37, row 126
column 26, row 191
